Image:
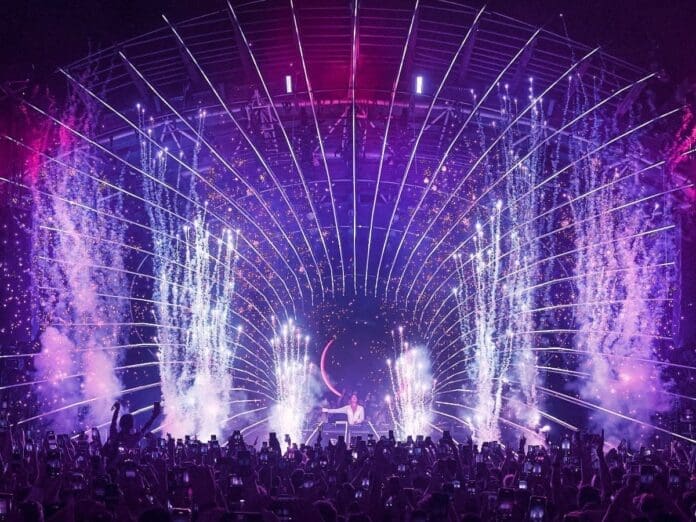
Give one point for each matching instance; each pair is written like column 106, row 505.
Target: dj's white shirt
column 354, row 417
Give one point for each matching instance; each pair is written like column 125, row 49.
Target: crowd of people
column 137, row 476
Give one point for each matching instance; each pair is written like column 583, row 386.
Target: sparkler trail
column 75, row 302
column 411, row 382
column 231, row 169
column 206, row 288
column 492, row 358
column 294, row 381
column 258, row 154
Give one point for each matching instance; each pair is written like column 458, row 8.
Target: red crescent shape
column 322, row 367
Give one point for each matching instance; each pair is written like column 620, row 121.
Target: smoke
column 624, row 282
column 78, row 270
column 55, row 362
column 621, row 325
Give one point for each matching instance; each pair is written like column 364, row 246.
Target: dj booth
column 332, row 430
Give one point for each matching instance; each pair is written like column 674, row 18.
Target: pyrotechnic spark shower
column 410, row 403
column 294, row 381
column 515, row 207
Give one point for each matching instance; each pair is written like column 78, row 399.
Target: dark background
column 38, row 35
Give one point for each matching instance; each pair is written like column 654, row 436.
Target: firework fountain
column 410, row 402
column 294, row 381
column 508, row 289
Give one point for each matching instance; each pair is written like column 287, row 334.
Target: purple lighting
column 519, row 217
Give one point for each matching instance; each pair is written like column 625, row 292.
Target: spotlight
column 419, row 84
column 288, row 84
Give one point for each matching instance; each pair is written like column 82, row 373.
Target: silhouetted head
column 126, row 422
column 354, row 400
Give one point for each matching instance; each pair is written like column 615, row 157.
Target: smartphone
column 53, row 464
column 506, row 501
column 647, row 474
column 283, row 508
column 5, row 505
column 181, row 477
column 492, row 501
column 308, row 481
column 674, row 478
column 244, row 462
column 51, row 441
column 471, row 488
column 181, row 515
column 111, row 493
column 537, row 508
column 77, row 482
column 522, row 484
column 130, row 470
column 99, row 488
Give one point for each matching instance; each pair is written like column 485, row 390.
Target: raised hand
column 599, row 443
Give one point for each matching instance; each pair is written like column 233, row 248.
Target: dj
column 354, row 412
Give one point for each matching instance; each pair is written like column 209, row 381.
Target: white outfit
column 354, row 417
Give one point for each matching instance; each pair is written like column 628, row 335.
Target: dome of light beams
column 225, row 195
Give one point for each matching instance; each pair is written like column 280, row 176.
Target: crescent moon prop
column 322, row 366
